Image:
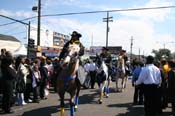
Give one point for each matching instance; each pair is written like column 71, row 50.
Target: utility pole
column 139, row 54
column 28, row 51
column 131, row 47
column 164, row 46
column 39, row 21
column 107, row 20
column 92, row 40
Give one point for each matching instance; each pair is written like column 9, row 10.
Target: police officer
column 75, row 38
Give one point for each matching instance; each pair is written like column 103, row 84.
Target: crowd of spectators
column 24, row 80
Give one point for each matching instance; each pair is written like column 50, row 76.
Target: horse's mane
column 105, row 68
column 71, row 60
column 103, row 65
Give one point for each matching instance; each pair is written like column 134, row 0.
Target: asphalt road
column 118, row 104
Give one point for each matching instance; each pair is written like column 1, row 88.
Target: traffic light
column 31, row 43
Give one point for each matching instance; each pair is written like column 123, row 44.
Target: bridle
column 71, row 56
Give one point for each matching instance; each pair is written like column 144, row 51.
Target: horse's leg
column 106, row 89
column 100, row 93
column 126, row 79
column 72, row 104
column 77, row 94
column 116, row 80
column 122, row 83
column 101, row 89
column 61, row 94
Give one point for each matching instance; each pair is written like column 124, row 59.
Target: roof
column 8, row 38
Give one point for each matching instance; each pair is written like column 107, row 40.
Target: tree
column 161, row 53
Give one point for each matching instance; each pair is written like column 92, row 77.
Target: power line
column 12, row 29
column 92, row 12
column 19, row 20
column 120, row 10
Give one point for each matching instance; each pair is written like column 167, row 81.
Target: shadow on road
column 90, row 98
column 133, row 110
column 45, row 111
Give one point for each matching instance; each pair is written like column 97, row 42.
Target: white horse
column 102, row 76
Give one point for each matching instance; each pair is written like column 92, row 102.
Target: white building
column 13, row 45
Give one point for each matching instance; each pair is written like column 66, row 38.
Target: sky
column 150, row 29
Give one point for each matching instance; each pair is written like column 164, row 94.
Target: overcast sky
column 150, row 29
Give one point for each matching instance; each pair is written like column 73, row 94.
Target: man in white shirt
column 150, row 76
column 86, row 66
column 92, row 72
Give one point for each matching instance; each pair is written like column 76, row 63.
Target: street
column 118, row 104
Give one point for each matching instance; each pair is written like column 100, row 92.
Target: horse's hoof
column 100, row 101
column 76, row 108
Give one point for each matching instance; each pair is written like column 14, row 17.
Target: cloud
column 49, row 3
column 165, row 41
column 152, row 14
column 142, row 30
column 88, row 30
column 23, row 14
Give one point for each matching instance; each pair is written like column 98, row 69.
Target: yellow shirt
column 166, row 69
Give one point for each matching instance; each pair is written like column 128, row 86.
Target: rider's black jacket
column 106, row 57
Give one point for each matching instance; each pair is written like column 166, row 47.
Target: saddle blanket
column 81, row 75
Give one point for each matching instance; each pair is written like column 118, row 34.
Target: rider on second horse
column 106, row 56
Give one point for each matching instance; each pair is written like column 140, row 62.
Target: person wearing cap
column 75, row 38
column 106, row 55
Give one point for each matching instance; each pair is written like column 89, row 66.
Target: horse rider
column 106, row 56
column 75, row 38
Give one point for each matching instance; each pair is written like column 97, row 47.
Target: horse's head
column 71, row 57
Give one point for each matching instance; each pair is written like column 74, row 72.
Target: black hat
column 123, row 51
column 74, row 33
column 105, row 48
